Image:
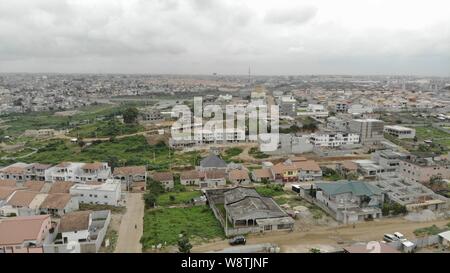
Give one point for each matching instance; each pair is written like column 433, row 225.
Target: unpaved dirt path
column 129, row 237
column 296, row 241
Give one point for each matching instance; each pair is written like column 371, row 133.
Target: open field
column 104, row 129
column 133, row 150
column 174, row 198
column 162, row 226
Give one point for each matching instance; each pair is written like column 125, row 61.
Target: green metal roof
column 357, row 188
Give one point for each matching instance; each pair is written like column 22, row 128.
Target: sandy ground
column 129, row 236
column 327, row 238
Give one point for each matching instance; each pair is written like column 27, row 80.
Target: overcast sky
column 226, row 36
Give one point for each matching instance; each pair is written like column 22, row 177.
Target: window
column 106, row 196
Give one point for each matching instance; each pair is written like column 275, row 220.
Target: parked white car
column 399, row 236
column 390, row 238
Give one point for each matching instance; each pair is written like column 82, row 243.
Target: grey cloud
column 291, row 15
column 204, row 36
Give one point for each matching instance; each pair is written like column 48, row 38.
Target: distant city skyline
column 202, row 37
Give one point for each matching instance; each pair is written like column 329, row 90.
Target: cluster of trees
column 184, row 246
column 330, row 174
column 393, row 209
column 130, row 115
column 154, row 189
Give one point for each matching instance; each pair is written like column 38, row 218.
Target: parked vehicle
column 389, row 238
column 238, row 240
column 399, row 236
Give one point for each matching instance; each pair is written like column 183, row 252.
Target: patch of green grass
column 427, row 231
column 129, row 151
column 105, row 129
column 18, row 123
column 112, row 236
column 96, row 207
column 256, row 153
column 231, row 152
column 430, row 132
column 164, row 225
column 176, row 198
column 270, row 190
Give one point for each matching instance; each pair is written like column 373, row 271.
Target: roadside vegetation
column 256, row 153
column 431, row 230
column 230, row 153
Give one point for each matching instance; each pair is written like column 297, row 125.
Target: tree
column 184, row 246
column 130, row 115
column 312, row 192
column 113, row 162
column 149, row 200
column 81, row 143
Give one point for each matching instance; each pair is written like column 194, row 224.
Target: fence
column 418, row 243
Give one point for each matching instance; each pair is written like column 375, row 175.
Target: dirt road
column 129, row 236
column 298, row 241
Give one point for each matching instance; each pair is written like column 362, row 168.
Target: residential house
column 19, row 204
column 130, row 175
column 308, row 170
column 297, row 170
column 413, row 195
column 8, row 183
column 78, row 172
column 350, row 201
column 5, row 193
column 333, row 139
column 36, row 186
column 212, row 162
column 61, row 187
column 347, row 168
column 58, row 204
column 260, row 175
column 423, row 169
column 244, row 207
column 74, row 227
column 20, row 172
column 80, row 232
column 239, row 177
column 165, row 178
column 108, row 193
column 214, row 178
column 16, row 172
column 191, row 178
column 24, row 234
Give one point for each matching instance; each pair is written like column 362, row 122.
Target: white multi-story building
column 333, row 139
column 359, row 109
column 224, row 135
column 400, row 131
column 314, row 110
column 78, row 172
column 108, row 193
